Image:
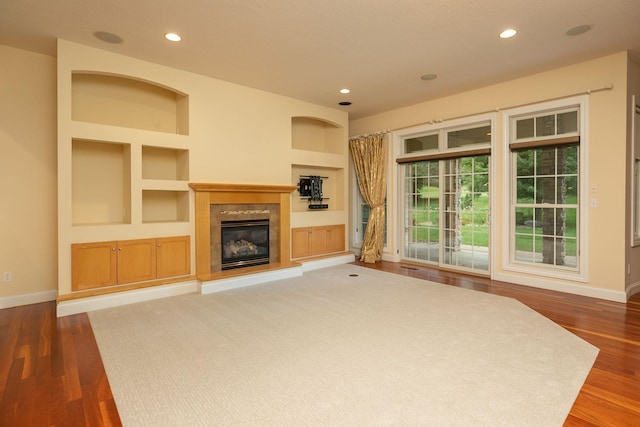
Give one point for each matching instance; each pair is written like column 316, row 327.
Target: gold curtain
column 369, row 156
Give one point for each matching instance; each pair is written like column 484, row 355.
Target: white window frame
column 580, row 273
column 635, row 172
column 442, row 128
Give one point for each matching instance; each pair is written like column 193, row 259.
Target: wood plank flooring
column 51, row 373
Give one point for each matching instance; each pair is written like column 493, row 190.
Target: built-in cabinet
column 102, row 264
column 314, row 241
column 319, row 148
column 123, row 175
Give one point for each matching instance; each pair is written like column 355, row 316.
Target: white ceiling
column 310, row 49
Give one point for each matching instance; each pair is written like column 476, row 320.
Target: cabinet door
column 136, row 260
column 300, row 242
column 93, row 265
column 319, row 240
column 173, row 256
column 335, row 238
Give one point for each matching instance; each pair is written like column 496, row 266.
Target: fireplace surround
column 217, row 203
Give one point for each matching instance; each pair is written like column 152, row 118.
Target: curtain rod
column 586, row 92
column 380, row 132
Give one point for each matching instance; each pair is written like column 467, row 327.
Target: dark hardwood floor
column 51, row 373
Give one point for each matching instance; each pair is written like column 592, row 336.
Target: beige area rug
column 333, row 349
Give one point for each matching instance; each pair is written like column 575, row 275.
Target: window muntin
column 447, row 222
column 466, row 214
column 468, row 136
column 546, row 205
column 422, row 210
column 547, row 125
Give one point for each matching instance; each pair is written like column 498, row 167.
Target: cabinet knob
column 158, row 244
column 113, row 249
column 119, row 249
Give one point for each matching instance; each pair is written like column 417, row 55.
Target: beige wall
column 27, row 174
column 607, row 156
column 228, row 119
column 236, row 135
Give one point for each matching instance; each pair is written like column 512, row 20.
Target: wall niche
column 126, row 102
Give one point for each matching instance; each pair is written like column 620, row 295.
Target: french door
column 446, row 212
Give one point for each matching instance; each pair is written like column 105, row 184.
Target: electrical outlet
column 6, row 276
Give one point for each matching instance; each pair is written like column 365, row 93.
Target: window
column 444, row 183
column 421, row 143
column 546, row 173
column 422, row 210
column 546, row 205
column 635, row 182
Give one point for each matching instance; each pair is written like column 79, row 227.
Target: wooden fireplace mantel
column 241, row 188
column 207, row 194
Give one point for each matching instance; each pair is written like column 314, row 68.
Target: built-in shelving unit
column 319, row 148
column 127, row 142
column 128, row 182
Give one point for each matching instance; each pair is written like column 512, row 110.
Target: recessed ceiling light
column 108, row 37
column 345, row 90
column 580, row 29
column 429, row 77
column 173, row 37
column 508, row 33
column 344, row 103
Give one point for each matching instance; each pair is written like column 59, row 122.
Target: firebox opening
column 244, row 243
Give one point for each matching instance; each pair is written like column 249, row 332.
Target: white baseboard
column 633, row 289
column 33, row 298
column 327, row 262
column 226, row 284
column 98, row 302
column 552, row 285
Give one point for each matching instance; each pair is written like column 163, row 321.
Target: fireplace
column 244, row 243
column 216, row 204
column 243, row 235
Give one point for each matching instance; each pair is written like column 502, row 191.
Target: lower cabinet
column 313, row 241
column 100, row 264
